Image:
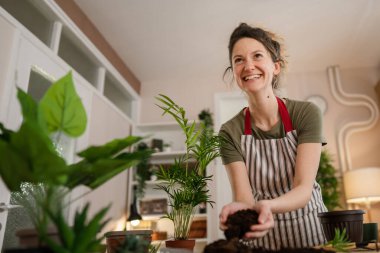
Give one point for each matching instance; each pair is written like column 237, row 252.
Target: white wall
column 193, row 94
column 105, row 125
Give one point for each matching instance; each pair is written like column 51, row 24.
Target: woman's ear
column 277, row 68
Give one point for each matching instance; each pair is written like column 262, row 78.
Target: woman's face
column 253, row 66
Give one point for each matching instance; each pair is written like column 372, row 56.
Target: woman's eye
column 257, row 56
column 238, row 60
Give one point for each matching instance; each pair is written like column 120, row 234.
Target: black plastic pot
column 351, row 220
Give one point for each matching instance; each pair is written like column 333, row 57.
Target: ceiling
column 176, row 39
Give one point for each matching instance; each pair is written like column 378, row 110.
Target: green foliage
column 340, row 243
column 187, row 186
column 62, row 110
column 143, row 172
column 154, row 248
column 82, row 236
column 327, row 180
column 39, row 177
column 206, row 116
column 133, row 244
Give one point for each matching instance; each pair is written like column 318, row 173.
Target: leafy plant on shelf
column 40, row 179
column 340, row 243
column 185, row 181
column 143, row 172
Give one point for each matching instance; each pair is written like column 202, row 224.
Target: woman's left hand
column 265, row 219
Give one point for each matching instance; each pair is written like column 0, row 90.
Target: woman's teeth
column 251, row 77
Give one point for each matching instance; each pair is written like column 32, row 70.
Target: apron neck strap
column 284, row 115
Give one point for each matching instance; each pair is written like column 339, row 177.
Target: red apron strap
column 247, row 122
column 284, row 114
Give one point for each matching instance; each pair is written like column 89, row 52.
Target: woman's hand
column 229, row 209
column 265, row 219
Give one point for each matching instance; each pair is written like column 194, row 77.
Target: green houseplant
column 328, row 181
column 185, row 181
column 40, row 179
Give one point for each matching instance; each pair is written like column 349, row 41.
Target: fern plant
column 185, row 182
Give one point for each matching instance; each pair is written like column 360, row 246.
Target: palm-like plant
column 185, row 181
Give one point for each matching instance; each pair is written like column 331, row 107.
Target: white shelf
column 157, row 126
column 152, row 217
column 200, row 216
column 171, row 154
column 149, row 182
column 197, row 240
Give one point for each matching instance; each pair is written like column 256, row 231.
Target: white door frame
column 226, row 105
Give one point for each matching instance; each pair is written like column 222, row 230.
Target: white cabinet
column 165, row 133
column 33, row 60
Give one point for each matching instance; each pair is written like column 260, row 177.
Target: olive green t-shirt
column 306, row 119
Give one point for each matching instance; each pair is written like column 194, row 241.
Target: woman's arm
column 241, row 191
column 239, row 180
column 243, row 199
column 307, row 161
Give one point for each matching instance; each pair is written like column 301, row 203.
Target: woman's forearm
column 296, row 198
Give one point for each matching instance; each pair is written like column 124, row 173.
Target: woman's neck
column 264, row 111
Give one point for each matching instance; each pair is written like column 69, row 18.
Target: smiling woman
column 272, row 149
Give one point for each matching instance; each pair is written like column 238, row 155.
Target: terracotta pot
column 351, row 220
column 115, row 239
column 181, row 244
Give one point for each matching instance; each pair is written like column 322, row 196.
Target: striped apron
column 271, row 167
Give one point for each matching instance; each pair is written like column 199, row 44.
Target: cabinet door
column 36, row 69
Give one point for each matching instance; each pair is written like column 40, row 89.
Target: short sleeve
column 230, row 149
column 310, row 125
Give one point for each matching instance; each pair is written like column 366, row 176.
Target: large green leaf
column 37, row 150
column 95, row 173
column 14, row 169
column 62, row 108
column 21, row 159
column 5, row 133
column 111, row 148
column 29, row 107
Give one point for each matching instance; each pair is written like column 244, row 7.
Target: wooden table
column 370, row 248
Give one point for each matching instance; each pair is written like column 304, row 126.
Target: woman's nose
column 249, row 65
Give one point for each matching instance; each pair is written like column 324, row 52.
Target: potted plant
column 40, row 179
column 185, row 181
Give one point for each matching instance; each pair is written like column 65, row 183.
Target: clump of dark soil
column 239, row 223
column 224, row 246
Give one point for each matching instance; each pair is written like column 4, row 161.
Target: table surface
column 371, row 247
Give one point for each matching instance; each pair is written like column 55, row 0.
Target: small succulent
column 340, row 243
